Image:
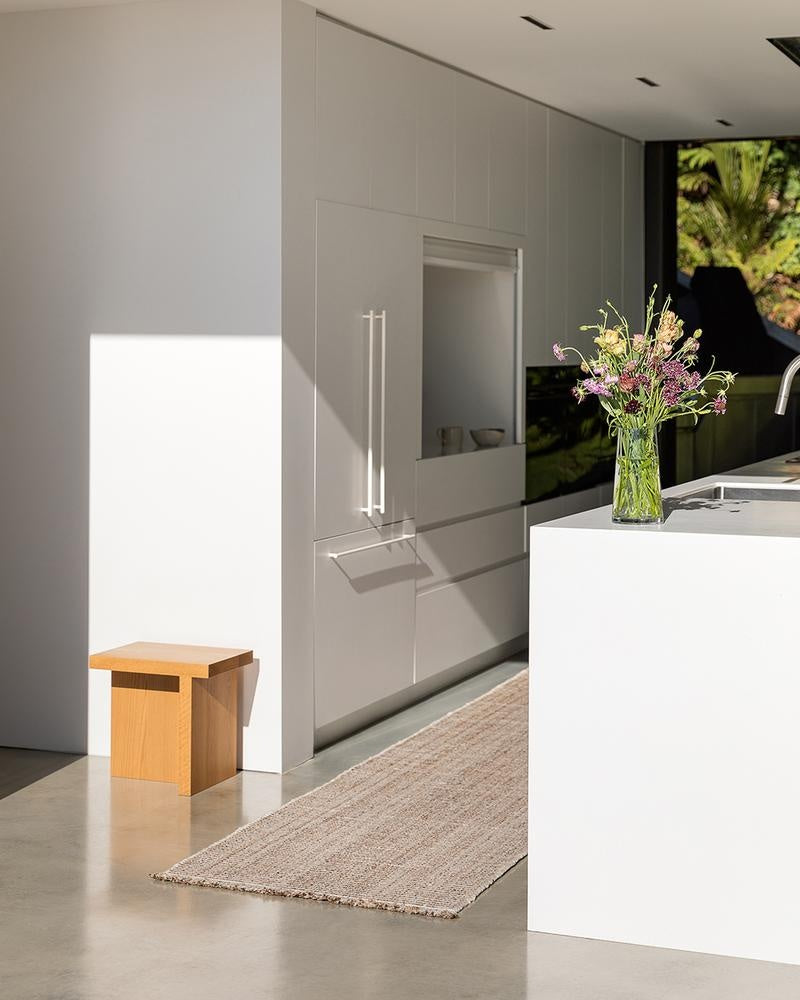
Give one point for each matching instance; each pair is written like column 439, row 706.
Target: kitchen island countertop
column 725, row 517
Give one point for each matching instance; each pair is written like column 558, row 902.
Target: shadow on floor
column 20, row 768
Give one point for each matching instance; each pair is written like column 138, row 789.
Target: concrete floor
column 20, row 768
column 80, row 920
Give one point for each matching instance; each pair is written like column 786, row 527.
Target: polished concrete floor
column 80, row 920
column 20, row 768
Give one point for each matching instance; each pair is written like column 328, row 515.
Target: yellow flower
column 610, row 340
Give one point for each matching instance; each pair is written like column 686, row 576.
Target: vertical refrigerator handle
column 380, row 507
column 369, row 510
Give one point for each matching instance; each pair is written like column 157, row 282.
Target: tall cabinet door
column 367, row 371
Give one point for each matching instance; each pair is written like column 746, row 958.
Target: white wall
column 185, row 500
column 140, row 196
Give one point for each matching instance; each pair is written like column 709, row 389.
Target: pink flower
column 638, row 342
column 720, row 404
column 595, row 388
column 632, row 406
column 627, row 383
column 558, row 350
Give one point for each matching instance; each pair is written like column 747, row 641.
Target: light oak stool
column 174, row 712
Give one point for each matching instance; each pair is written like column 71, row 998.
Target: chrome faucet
column 786, row 384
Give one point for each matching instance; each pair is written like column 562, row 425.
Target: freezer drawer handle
column 372, row 545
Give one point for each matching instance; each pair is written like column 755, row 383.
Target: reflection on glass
column 568, row 447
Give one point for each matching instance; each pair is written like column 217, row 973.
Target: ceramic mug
column 451, row 439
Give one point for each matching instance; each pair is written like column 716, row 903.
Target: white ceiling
column 710, row 56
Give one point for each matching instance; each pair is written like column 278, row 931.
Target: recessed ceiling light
column 647, row 81
column 537, row 23
column 790, row 47
column 724, row 121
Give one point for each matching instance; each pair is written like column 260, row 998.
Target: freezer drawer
column 363, row 619
column 466, row 547
column 464, row 620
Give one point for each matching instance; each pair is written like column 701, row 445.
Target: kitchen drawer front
column 363, row 620
column 456, row 486
column 457, row 550
column 464, row 620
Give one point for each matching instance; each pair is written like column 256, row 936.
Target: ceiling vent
column 537, row 23
column 790, row 47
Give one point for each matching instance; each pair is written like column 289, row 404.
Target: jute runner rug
column 423, row 827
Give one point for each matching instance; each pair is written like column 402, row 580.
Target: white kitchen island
column 665, row 724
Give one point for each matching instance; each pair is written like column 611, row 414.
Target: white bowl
column 488, row 437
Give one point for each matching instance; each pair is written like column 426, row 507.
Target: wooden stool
column 174, row 712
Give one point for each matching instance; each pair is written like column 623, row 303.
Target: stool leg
column 144, row 723
column 208, row 717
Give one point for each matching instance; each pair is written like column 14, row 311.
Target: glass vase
column 637, row 480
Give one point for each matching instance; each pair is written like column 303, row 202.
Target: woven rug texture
column 423, row 827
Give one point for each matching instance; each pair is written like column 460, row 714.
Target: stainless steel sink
column 734, row 491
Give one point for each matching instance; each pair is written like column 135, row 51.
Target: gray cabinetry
column 490, row 609
column 366, row 121
column 507, row 161
column 461, row 486
column 473, row 119
column 593, row 238
column 367, row 369
column 408, row 149
column 633, row 289
column 344, row 67
column 612, row 248
column 435, row 140
column 364, row 599
column 535, row 262
column 584, row 166
column 398, row 132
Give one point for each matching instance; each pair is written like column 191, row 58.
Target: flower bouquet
column 641, row 380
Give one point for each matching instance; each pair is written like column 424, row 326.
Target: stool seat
column 174, row 712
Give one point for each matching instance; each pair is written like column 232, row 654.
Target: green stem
column 637, row 480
